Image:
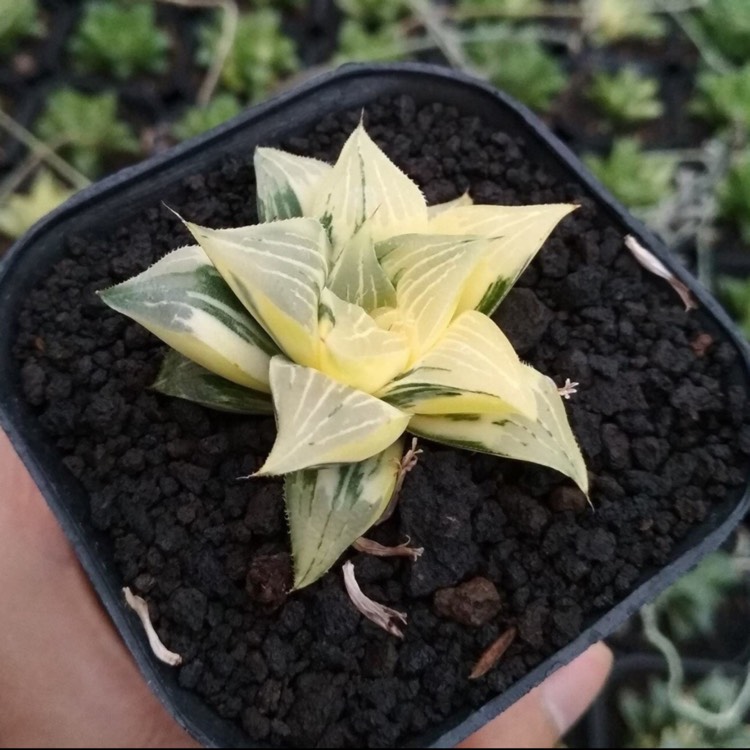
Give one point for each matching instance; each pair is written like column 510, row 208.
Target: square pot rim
column 189, row 711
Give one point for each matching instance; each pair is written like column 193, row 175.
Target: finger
column 67, row 679
column 542, row 716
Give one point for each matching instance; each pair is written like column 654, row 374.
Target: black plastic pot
column 127, row 192
column 604, row 726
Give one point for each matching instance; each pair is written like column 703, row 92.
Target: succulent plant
column 727, row 25
column 626, row 97
column 652, row 721
column 364, row 314
column 120, row 38
column 18, row 20
column 724, row 98
column 357, row 42
column 519, row 65
column 85, row 128
column 197, row 120
column 734, row 195
column 24, row 209
column 690, row 605
column 260, row 56
column 608, row 21
column 374, row 12
column 636, row 177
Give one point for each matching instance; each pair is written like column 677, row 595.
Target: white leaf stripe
column 472, row 367
column 321, row 421
column 179, row 377
column 429, row 273
column 286, row 183
column 365, row 184
column 355, row 350
column 277, row 270
column 329, row 508
column 515, row 234
column 358, row 277
column 183, row 300
column 546, row 440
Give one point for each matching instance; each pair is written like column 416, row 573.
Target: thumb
column 542, row 716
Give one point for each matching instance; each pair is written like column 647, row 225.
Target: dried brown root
column 408, row 462
column 493, row 653
column 651, row 263
column 369, row 547
column 569, row 389
column 384, row 617
column 161, row 652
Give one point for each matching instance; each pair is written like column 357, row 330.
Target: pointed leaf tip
column 322, row 421
column 183, row 300
column 546, row 440
column 330, row 508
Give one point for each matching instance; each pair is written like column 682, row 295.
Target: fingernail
column 569, row 692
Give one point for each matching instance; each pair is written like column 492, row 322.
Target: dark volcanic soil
column 662, row 431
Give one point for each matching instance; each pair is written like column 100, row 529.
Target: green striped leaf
column 184, row 301
column 329, row 509
column 472, row 368
column 180, row 377
column 365, row 184
column 516, row 234
column 429, row 273
column 277, row 271
column 286, row 183
column 358, row 277
column 546, row 440
column 354, row 349
column 321, row 421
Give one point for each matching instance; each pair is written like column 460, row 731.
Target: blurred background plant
column 653, row 94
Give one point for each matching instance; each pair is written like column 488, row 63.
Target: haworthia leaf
column 439, row 208
column 429, row 273
column 330, row 508
column 277, row 271
column 321, row 421
column 472, row 368
column 286, row 183
column 365, row 184
column 546, row 440
column 182, row 378
column 354, row 349
column 358, row 277
column 184, row 301
column 516, row 233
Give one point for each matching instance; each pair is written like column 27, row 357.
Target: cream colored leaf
column 329, row 508
column 277, row 271
column 546, row 440
column 463, row 200
column 321, row 421
column 358, row 277
column 183, row 300
column 354, row 349
column 515, row 233
column 286, row 183
column 472, row 368
column 365, row 184
column 182, row 378
column 429, row 273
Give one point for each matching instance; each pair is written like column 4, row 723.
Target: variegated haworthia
column 364, row 313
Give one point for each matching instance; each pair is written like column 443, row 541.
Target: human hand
column 67, row 679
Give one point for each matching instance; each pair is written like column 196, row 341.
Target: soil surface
column 663, row 430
